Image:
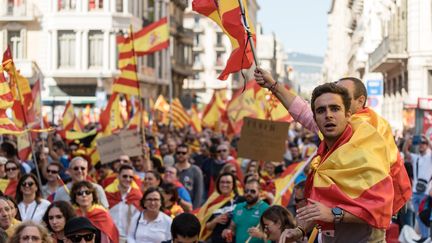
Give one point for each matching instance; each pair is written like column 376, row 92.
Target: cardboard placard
column 262, row 139
column 123, row 143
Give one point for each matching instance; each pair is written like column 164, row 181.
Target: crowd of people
column 188, row 187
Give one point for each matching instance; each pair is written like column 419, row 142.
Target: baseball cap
column 77, row 224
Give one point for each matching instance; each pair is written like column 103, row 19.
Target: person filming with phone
column 422, row 173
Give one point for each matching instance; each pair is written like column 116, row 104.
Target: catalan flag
column 179, row 116
column 152, row 38
column 352, row 179
column 227, row 14
column 127, row 83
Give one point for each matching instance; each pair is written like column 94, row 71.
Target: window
column 66, row 4
column 219, row 61
column 66, row 49
column 15, row 44
column 95, row 48
column 197, row 40
column 151, row 60
column 150, row 11
column 218, row 39
column 95, row 4
column 119, row 6
column 429, row 82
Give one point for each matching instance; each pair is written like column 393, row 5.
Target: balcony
column 197, row 66
column 388, row 55
column 16, row 11
column 197, row 28
column 198, row 48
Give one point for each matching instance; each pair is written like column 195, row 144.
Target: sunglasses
column 27, row 184
column 78, row 238
column 222, row 150
column 52, row 171
column 79, row 168
column 11, row 169
column 251, row 191
column 83, row 193
column 179, row 152
column 127, row 177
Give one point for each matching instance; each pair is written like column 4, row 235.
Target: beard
column 251, row 200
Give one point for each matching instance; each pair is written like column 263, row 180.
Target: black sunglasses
column 127, row 177
column 78, row 168
column 11, row 169
column 52, row 171
column 251, row 191
column 180, row 152
column 27, row 184
column 83, row 193
column 78, row 238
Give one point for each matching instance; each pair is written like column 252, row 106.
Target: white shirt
column 122, row 214
column 156, row 231
column 424, row 168
column 33, row 211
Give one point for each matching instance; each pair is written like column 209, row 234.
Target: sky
column 300, row 24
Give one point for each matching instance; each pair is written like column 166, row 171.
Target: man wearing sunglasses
column 78, row 172
column 80, row 230
column 52, row 173
column 246, row 216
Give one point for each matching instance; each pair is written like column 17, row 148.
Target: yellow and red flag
column 6, row 101
column 110, row 119
column 114, row 195
column 353, row 179
column 102, row 220
column 227, row 14
column 8, row 187
column 152, row 38
column 179, row 116
column 215, row 111
column 161, row 110
column 195, row 121
column 127, row 83
column 283, row 193
column 36, row 110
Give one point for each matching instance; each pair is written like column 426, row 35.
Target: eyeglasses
column 222, row 150
column 33, row 238
column 78, row 238
column 27, row 184
column 251, row 191
column 181, row 153
column 83, row 193
column 424, row 142
column 11, row 169
column 76, row 168
column 127, row 177
column 52, row 171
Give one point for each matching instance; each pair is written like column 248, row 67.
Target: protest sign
column 123, row 143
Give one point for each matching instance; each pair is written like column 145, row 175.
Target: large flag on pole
column 110, row 119
column 152, row 38
column 6, row 101
column 179, row 116
column 227, row 14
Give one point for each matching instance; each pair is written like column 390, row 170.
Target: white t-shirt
column 33, row 211
column 156, row 231
column 422, row 169
column 119, row 214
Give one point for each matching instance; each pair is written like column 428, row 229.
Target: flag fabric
column 110, row 119
column 400, row 178
column 127, row 82
column 161, row 110
column 68, row 117
column 283, row 197
column 137, row 119
column 352, row 179
column 195, row 121
column 152, row 38
column 180, row 117
column 35, row 111
column 214, row 202
column 6, row 101
column 102, row 220
column 114, row 195
column 227, row 14
column 8, row 187
column 274, row 110
column 214, row 112
column 23, row 146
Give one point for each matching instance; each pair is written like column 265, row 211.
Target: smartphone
column 416, row 140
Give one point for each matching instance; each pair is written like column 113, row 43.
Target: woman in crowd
column 150, row 225
column 30, row 231
column 55, row 218
column 219, row 219
column 84, row 196
column 151, row 179
column 170, row 176
column 275, row 220
column 31, row 205
column 16, row 217
column 13, row 174
column 171, row 197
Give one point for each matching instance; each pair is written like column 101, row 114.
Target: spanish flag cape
column 102, row 220
column 349, row 175
column 113, row 176
column 114, row 195
column 214, row 202
column 398, row 173
column 8, row 187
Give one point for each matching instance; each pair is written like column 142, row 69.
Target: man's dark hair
column 125, row 167
column 334, row 89
column 9, row 148
column 359, row 88
column 186, row 225
column 183, row 145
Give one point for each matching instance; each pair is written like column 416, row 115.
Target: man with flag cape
column 349, row 194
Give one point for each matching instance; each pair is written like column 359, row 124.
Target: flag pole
column 169, row 74
column 247, row 29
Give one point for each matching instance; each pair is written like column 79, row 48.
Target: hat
column 424, row 139
column 76, row 224
column 3, row 160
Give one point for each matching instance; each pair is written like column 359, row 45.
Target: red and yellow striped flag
column 110, row 119
column 179, row 116
column 283, row 193
column 195, row 121
column 6, row 101
column 152, row 38
column 227, row 14
column 214, row 111
column 127, row 82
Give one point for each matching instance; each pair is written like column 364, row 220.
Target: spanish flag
column 114, row 196
column 6, row 101
column 110, row 118
column 102, row 220
column 227, row 14
column 152, row 38
column 349, row 176
column 195, row 121
column 214, row 111
column 8, row 187
column 214, row 202
column 398, row 173
column 284, row 193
